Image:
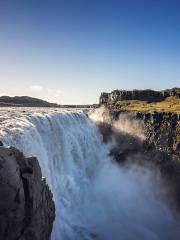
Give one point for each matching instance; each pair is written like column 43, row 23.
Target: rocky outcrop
column 141, row 95
column 151, row 139
column 27, row 209
column 161, row 130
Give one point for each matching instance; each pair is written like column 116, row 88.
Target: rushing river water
column 94, row 197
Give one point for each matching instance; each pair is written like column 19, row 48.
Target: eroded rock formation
column 27, row 210
column 151, row 139
column 142, row 95
column 161, row 130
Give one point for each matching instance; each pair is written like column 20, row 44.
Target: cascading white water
column 94, row 197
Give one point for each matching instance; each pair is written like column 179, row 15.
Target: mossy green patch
column 170, row 104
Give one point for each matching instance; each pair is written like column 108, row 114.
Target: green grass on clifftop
column 170, row 104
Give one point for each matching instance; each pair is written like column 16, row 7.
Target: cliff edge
column 27, row 210
column 141, row 95
column 159, row 112
column 145, row 127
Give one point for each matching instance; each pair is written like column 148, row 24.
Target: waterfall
column 95, row 198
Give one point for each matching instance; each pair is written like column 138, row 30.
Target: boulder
column 27, row 210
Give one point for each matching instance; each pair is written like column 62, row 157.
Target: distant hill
column 24, row 101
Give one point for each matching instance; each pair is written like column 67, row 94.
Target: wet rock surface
column 154, row 142
column 161, row 131
column 27, row 209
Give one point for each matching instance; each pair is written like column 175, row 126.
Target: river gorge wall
column 145, row 138
column 142, row 95
column 114, row 172
column 161, row 130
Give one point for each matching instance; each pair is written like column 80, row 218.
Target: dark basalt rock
column 141, row 95
column 27, row 210
column 159, row 148
column 161, row 130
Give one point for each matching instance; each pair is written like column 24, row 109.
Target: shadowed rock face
column 161, row 130
column 27, row 210
column 154, row 142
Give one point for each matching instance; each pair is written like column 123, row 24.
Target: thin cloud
column 3, row 94
column 54, row 95
column 36, row 88
column 49, row 94
column 55, row 92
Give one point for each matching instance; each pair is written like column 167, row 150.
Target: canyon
column 153, row 115
column 59, row 168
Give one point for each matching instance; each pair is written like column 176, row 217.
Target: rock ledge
column 27, row 210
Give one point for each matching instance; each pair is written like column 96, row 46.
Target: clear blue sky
column 69, row 51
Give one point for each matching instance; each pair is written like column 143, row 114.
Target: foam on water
column 94, row 197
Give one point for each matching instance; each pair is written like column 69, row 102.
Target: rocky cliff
column 161, row 130
column 161, row 120
column 27, row 210
column 144, row 127
column 148, row 139
column 142, row 95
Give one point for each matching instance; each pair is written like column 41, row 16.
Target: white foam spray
column 94, row 197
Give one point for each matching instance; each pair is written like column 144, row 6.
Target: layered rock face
column 161, row 130
column 27, row 209
column 142, row 95
column 144, row 138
